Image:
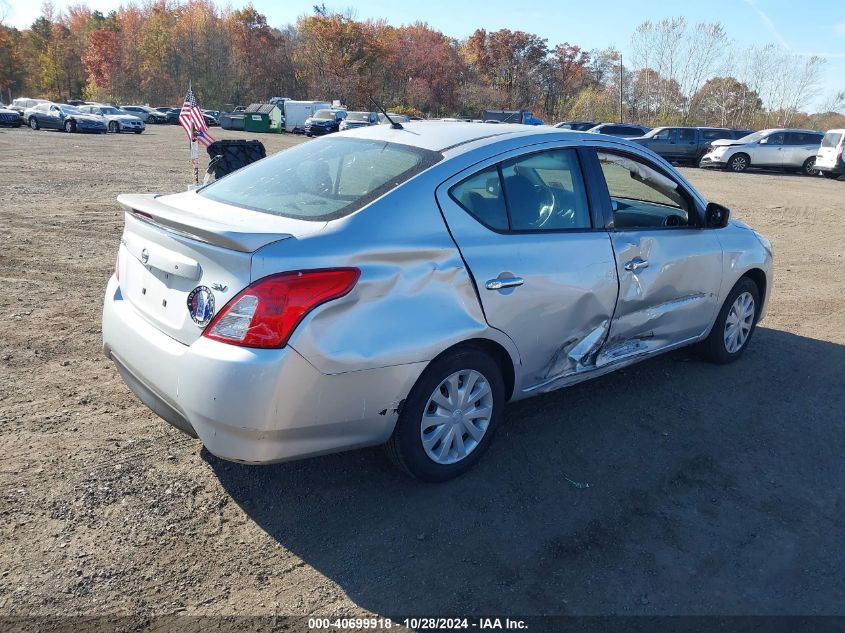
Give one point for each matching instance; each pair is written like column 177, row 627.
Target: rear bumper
column 839, row 168
column 251, row 405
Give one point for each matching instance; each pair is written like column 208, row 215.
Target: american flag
column 192, row 119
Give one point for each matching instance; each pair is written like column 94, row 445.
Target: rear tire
column 830, row 175
column 734, row 325
column 739, row 163
column 809, row 167
column 70, row 127
column 450, row 416
column 114, row 127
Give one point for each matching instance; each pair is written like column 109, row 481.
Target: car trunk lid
column 173, row 246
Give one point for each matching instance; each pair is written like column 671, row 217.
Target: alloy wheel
column 456, row 417
column 738, row 163
column 739, row 322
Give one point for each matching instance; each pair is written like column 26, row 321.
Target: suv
column 686, row 144
column 24, row 103
column 624, row 130
column 779, row 148
column 829, row 161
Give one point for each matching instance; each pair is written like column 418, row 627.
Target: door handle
column 636, row 264
column 503, row 282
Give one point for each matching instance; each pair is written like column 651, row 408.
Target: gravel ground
column 712, row 490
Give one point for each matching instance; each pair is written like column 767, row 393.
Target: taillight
column 267, row 312
column 117, row 266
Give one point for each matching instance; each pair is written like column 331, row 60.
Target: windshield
column 322, row 180
column 323, row 114
column 358, row 116
column 753, row 138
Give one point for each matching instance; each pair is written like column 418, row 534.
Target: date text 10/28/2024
column 418, row 624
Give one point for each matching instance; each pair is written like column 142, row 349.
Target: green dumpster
column 264, row 117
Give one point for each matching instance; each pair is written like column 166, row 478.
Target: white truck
column 297, row 111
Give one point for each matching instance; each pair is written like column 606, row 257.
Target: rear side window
column 715, row 135
column 539, row 192
column 686, row 135
column 322, row 180
column 481, row 195
column 831, row 139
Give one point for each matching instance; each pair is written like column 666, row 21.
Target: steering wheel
column 547, row 207
column 672, row 220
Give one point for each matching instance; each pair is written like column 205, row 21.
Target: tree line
column 149, row 52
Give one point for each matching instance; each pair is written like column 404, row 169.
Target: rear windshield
column 831, row 139
column 323, row 179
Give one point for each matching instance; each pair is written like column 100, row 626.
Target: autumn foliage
column 149, row 52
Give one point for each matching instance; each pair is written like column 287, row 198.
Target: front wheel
column 734, row 325
column 114, row 127
column 738, row 163
column 450, row 416
column 809, row 167
column 33, row 123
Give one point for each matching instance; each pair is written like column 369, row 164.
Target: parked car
column 781, row 148
column 376, row 287
column 10, row 118
column 622, row 130
column 57, row 116
column 577, row 126
column 21, row 104
column 511, row 116
column 829, row 160
column 359, row 119
column 171, row 114
column 116, row 120
column 397, row 118
column 212, row 117
column 685, row 144
column 146, row 114
column 324, row 122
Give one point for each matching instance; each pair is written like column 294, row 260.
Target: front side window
column 322, row 180
column 778, row 138
column 641, row 196
column 663, row 135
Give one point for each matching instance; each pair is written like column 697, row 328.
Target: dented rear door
column 551, row 291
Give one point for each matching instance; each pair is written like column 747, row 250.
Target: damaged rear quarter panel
column 414, row 298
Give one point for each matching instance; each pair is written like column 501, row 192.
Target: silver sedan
column 399, row 286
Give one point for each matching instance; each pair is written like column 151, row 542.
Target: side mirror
column 716, row 216
column 763, row 141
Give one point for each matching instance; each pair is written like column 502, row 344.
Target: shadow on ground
column 712, row 490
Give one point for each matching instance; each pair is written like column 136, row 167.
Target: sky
column 814, row 27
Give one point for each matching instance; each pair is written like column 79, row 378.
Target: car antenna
column 393, row 124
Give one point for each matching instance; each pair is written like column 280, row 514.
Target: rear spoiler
column 147, row 208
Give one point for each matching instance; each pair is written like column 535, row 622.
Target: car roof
column 442, row 136
column 788, row 129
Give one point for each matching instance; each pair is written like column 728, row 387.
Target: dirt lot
column 712, row 490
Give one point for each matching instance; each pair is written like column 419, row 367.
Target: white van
column 297, row 111
column 830, row 160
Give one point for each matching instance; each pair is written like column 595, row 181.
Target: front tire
column 739, row 163
column 33, row 123
column 734, row 325
column 114, row 127
column 449, row 418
